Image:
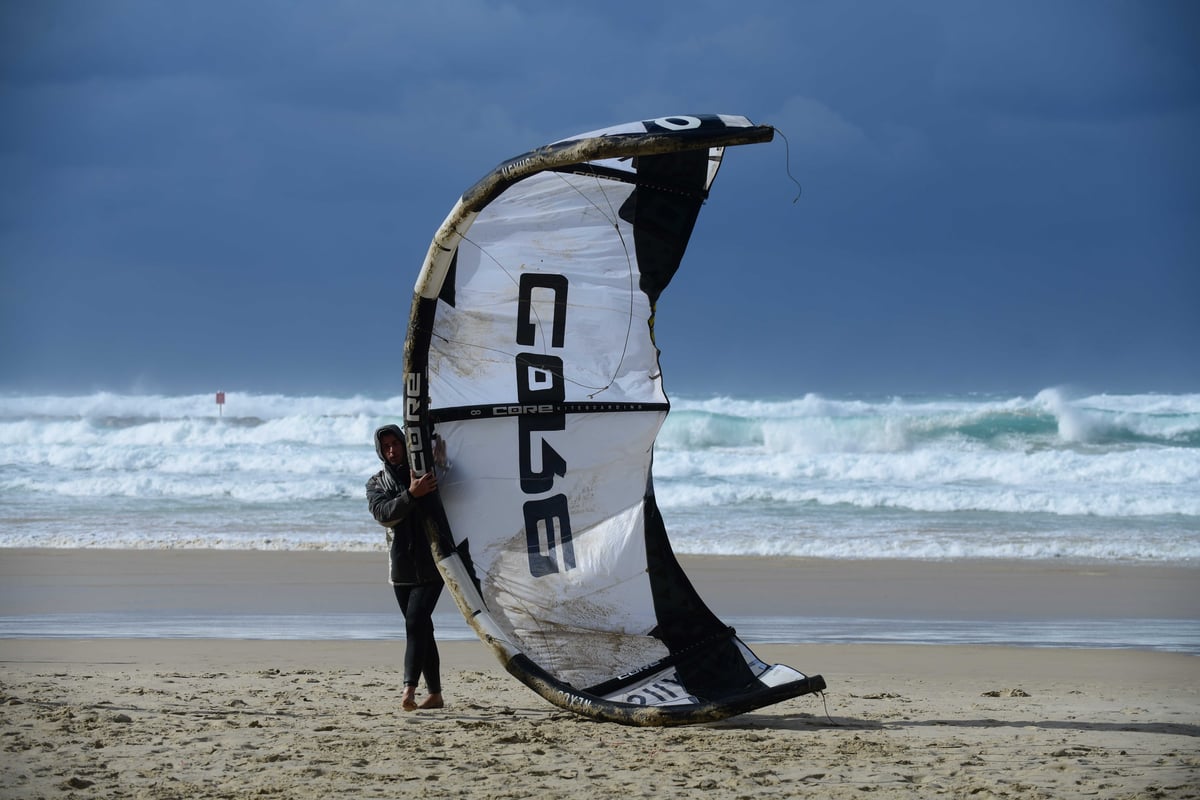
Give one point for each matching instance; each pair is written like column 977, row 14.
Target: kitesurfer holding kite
column 391, row 496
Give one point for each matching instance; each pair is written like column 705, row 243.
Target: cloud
column 282, row 161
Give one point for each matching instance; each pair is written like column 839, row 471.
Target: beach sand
column 200, row 718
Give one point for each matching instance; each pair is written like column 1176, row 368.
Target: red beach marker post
column 220, row 404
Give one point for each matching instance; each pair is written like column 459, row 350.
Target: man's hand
column 419, row 487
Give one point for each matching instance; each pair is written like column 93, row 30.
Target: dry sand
column 167, row 718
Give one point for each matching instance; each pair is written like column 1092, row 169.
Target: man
column 392, row 497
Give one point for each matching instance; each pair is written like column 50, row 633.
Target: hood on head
column 393, row 429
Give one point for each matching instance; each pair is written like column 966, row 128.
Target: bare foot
column 408, row 701
column 433, row 701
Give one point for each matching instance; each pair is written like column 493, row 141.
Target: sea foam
column 1048, row 476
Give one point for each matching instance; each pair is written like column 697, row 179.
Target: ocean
column 1097, row 478
column 1103, row 477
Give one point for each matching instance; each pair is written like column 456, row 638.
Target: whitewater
column 1101, row 477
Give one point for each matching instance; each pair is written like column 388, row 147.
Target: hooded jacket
column 393, row 507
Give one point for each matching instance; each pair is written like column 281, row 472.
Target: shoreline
column 46, row 580
column 319, row 595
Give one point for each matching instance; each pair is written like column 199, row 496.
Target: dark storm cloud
column 995, row 196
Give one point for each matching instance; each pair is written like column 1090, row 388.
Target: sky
column 992, row 197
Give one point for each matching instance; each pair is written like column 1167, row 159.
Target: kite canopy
column 532, row 381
